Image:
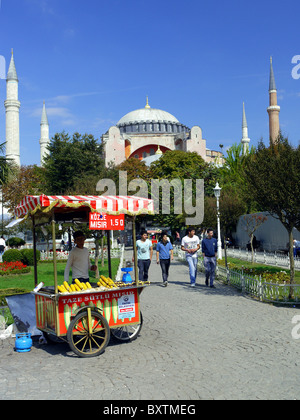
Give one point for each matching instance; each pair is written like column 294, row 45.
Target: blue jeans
column 210, row 269
column 192, row 262
column 143, row 269
column 165, row 265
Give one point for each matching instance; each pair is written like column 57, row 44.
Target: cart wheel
column 88, row 333
column 128, row 332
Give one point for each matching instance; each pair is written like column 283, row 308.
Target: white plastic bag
column 6, row 333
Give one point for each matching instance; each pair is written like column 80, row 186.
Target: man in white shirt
column 191, row 244
column 79, row 260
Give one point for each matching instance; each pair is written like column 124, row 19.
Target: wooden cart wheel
column 88, row 333
column 128, row 332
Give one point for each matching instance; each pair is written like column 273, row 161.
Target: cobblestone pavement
column 196, row 343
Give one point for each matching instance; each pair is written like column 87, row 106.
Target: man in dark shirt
column 209, row 252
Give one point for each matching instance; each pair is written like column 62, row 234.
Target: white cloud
column 59, row 112
column 99, row 123
column 69, row 33
column 69, row 122
column 63, row 113
column 42, row 5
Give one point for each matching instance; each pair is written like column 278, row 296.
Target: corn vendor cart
column 85, row 318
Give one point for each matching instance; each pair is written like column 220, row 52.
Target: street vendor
column 79, row 260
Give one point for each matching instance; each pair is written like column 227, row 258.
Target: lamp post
column 217, row 192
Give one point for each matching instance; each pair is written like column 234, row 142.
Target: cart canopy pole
column 134, row 251
column 54, row 254
column 108, row 253
column 34, row 251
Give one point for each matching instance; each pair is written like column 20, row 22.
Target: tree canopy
column 272, row 175
column 70, row 160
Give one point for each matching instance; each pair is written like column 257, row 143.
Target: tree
column 71, row 159
column 232, row 175
column 6, row 165
column 251, row 223
column 180, row 165
column 26, row 180
column 272, row 175
column 231, row 208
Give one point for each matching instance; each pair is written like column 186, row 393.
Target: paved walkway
column 196, row 343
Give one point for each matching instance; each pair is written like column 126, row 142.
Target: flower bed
column 275, row 276
column 14, row 267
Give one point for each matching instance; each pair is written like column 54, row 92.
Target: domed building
column 148, row 132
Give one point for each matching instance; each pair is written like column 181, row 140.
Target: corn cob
column 107, row 310
column 67, row 286
column 67, row 315
column 62, row 289
column 77, row 282
column 83, row 286
column 102, row 282
column 110, row 282
column 47, row 314
column 105, row 283
column 99, row 305
column 37, row 309
column 88, row 285
column 77, row 288
column 103, row 278
column 114, row 307
column 74, row 309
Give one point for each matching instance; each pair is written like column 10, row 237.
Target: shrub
column 15, row 242
column 27, row 256
column 12, row 255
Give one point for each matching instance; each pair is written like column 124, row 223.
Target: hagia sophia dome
column 147, row 114
column 149, row 120
column 147, row 131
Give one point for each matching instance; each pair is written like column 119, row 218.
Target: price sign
column 103, row 221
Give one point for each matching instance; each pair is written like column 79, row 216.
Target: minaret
column 245, row 140
column 44, row 140
column 12, row 107
column 273, row 109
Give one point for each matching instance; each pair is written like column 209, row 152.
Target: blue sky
column 93, row 61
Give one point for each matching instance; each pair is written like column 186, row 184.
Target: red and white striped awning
column 105, row 204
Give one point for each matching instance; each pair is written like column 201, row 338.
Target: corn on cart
column 85, row 318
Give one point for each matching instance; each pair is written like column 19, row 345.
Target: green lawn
column 25, row 282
